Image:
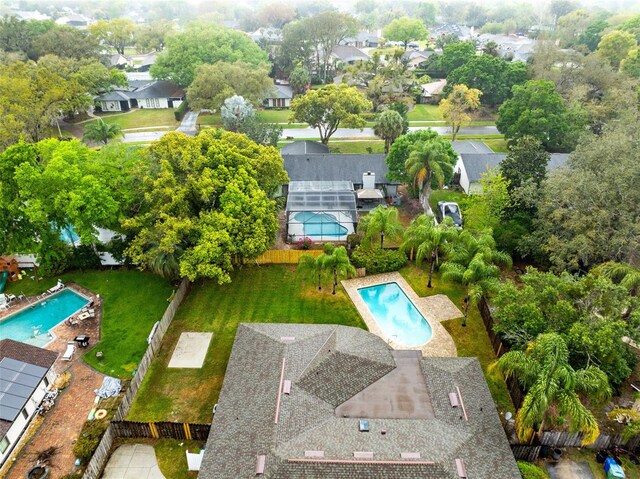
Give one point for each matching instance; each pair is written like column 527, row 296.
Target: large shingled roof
column 335, row 167
column 318, row 359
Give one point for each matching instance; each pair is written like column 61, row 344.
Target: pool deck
column 433, row 308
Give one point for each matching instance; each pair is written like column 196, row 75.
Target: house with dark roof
column 363, row 40
column 326, row 401
column 476, row 158
column 304, row 147
column 364, row 171
column 347, row 54
column 142, row 94
column 279, row 96
column 25, row 374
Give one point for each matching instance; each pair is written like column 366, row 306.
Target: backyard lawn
column 425, row 113
column 268, row 294
column 132, row 302
column 471, row 340
column 172, row 459
column 498, row 146
column 143, row 118
column 360, row 147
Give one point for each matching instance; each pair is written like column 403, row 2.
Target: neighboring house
column 75, row 20
column 333, row 167
column 143, row 63
column 280, row 96
column 363, row 40
column 25, row 373
column 463, row 33
column 267, row 34
column 415, row 59
column 119, row 61
column 328, row 401
column 476, row 158
column 517, row 48
column 433, row 92
column 347, row 54
column 142, row 94
column 304, row 147
column 34, row 15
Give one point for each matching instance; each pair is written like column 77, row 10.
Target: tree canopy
column 405, row 29
column 329, row 108
column 206, row 204
column 214, row 83
column 615, row 46
column 537, row 110
column 117, row 33
column 455, row 55
column 456, row 107
column 201, row 44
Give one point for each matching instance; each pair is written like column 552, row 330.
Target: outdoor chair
column 68, row 354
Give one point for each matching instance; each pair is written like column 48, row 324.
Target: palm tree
column 100, row 132
column 313, row 266
column 380, row 221
column 473, row 261
column 425, row 162
column 389, row 126
column 337, row 260
column 623, row 274
column 428, row 240
column 544, row 372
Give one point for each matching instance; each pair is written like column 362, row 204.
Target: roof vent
column 286, row 388
column 363, row 455
column 287, row 338
column 313, row 453
column 260, row 463
column 453, row 399
column 410, row 455
column 460, row 468
column 364, row 425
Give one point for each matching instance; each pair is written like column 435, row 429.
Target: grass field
column 143, row 118
column 269, row 294
column 498, row 146
column 172, row 459
column 471, row 340
column 425, row 113
column 360, row 147
column 132, row 302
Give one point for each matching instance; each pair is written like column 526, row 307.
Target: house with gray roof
column 26, row 372
column 347, row 54
column 142, row 94
column 279, row 96
column 476, row 158
column 327, row 401
column 363, row 40
column 304, row 147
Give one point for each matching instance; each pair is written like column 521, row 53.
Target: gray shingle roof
column 462, row 147
column 330, row 167
column 304, row 147
column 245, row 426
column 476, row 164
column 140, row 89
column 280, row 91
column 349, row 53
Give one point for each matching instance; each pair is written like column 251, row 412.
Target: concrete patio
column 133, row 461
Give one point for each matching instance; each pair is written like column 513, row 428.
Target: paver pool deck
column 433, row 309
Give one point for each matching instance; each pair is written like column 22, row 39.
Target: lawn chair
column 68, row 354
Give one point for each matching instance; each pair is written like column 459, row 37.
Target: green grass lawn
column 471, row 340
column 142, row 118
column 274, row 116
column 172, row 459
column 269, row 294
column 132, row 302
column 425, row 113
column 498, row 146
column 360, row 147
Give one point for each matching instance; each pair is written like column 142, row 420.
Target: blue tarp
column 110, row 387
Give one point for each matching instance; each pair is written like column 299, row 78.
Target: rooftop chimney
column 368, row 180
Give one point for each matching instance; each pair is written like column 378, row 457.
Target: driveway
column 569, row 470
column 188, row 124
column 133, row 461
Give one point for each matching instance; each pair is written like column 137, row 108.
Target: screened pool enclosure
column 321, row 210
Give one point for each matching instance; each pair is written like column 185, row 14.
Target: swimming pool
column 396, row 315
column 317, row 225
column 32, row 324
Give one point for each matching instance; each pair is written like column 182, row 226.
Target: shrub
column 305, row 243
column 54, row 259
column 181, row 110
column 84, row 257
column 89, row 439
column 376, row 260
column 531, row 471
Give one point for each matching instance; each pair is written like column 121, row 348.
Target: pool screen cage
column 321, row 210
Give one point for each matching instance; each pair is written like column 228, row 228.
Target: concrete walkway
column 569, row 470
column 133, row 461
column 188, row 124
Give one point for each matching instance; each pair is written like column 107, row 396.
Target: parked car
column 450, row 209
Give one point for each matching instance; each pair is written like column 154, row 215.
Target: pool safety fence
column 283, row 256
column 101, row 454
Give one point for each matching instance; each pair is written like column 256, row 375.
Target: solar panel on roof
column 18, row 381
column 19, row 378
column 13, row 388
column 21, row 366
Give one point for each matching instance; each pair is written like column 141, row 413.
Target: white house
column 476, row 158
column 142, row 94
column 280, row 96
column 26, row 372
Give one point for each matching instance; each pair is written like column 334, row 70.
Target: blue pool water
column 40, row 318
column 69, row 236
column 396, row 315
column 320, row 224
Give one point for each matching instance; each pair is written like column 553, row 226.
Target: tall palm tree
column 337, row 261
column 623, row 274
column 313, row 266
column 425, row 162
column 473, row 261
column 100, row 132
column 429, row 240
column 380, row 221
column 544, row 372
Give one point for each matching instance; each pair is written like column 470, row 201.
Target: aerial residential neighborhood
column 320, row 239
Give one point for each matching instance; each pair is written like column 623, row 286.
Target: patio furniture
column 72, row 321
column 82, row 340
column 68, row 354
column 84, row 316
column 56, row 288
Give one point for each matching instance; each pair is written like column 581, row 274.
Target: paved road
column 188, row 127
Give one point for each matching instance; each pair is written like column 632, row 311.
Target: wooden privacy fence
column 100, row 456
column 161, row 430
column 283, row 256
